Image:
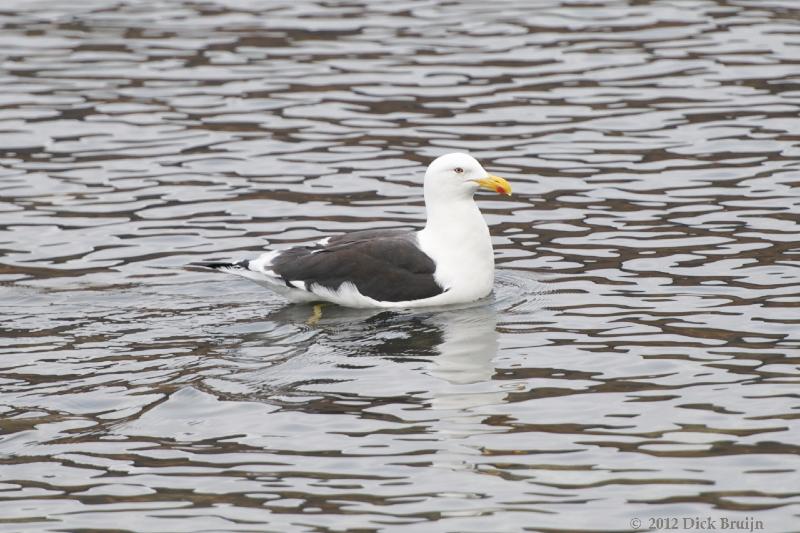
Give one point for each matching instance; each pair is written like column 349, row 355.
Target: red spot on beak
column 499, row 189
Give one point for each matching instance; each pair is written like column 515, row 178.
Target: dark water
column 638, row 360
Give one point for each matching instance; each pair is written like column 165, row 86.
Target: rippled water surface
column 638, row 360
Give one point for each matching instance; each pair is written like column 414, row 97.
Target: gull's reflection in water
column 465, row 360
column 469, row 344
column 442, row 357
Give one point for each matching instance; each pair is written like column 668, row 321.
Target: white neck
column 457, row 218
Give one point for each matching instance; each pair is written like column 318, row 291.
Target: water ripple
column 638, row 358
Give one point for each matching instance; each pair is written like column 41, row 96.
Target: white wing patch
column 346, row 294
column 263, row 263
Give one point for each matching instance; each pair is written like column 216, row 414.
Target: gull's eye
column 459, row 170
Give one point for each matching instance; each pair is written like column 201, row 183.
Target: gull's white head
column 459, row 176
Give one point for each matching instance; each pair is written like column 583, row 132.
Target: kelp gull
column 449, row 261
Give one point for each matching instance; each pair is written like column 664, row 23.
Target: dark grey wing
column 368, row 235
column 387, row 268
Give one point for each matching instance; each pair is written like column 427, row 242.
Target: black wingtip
column 216, row 265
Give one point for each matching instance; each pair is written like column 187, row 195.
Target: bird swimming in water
column 449, row 261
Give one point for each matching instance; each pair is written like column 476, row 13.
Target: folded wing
column 387, row 266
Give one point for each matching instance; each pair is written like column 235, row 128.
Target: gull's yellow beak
column 495, row 183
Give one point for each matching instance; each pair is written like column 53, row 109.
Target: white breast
column 463, row 255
